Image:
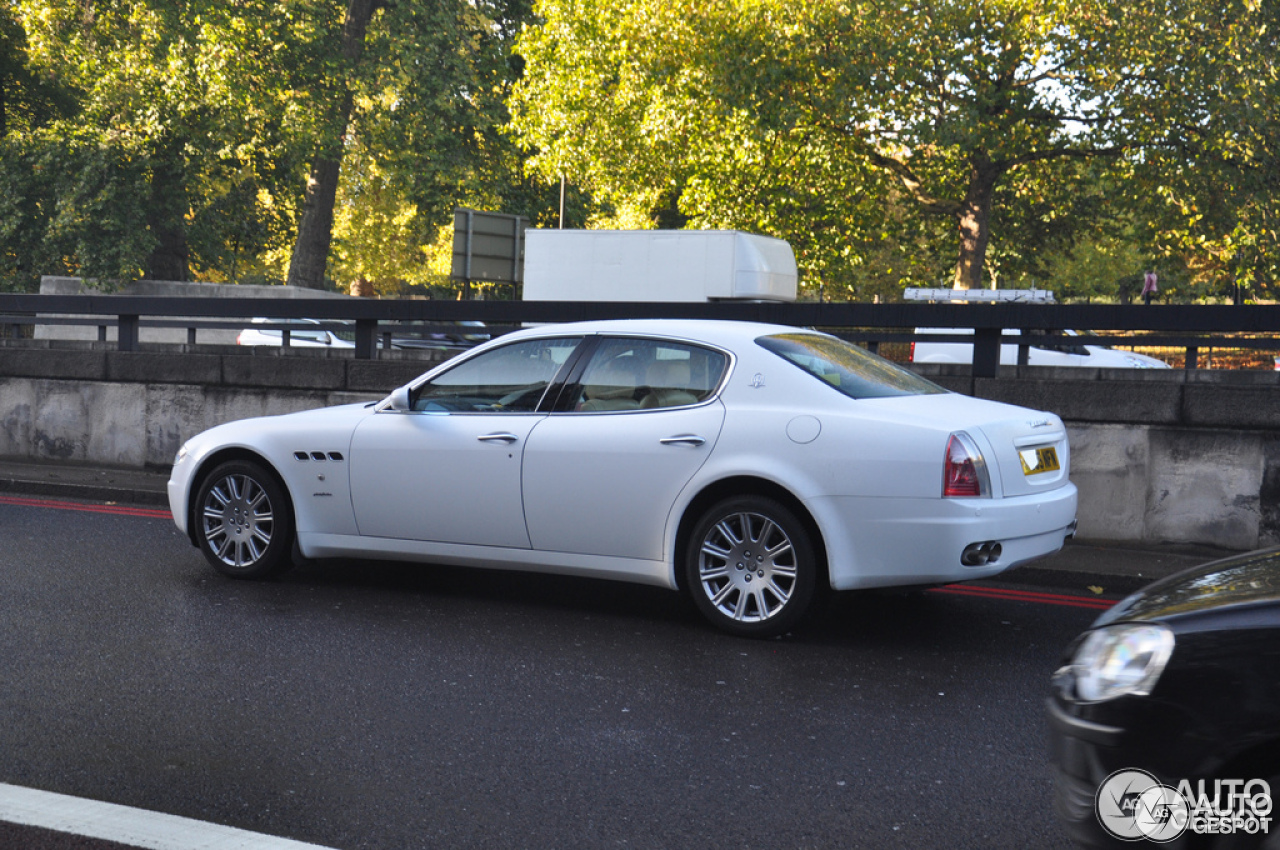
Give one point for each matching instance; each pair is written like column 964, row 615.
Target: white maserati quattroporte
column 754, row 467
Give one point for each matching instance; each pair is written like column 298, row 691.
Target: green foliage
column 214, row 111
column 1206, row 180
column 71, row 205
column 825, row 121
column 426, row 137
column 1021, row 142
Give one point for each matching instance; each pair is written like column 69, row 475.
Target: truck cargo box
column 657, row 265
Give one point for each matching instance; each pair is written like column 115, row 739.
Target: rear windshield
column 852, row 370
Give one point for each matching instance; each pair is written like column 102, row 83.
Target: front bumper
column 1090, row 741
column 1081, row 752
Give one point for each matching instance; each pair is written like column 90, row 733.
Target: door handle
column 497, row 438
column 683, row 440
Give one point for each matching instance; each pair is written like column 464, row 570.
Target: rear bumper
column 889, row 542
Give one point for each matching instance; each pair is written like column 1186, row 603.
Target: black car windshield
column 852, row 370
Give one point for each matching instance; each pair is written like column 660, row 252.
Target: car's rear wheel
column 752, row 567
column 243, row 521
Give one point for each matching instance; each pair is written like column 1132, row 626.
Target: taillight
column 913, row 354
column 965, row 472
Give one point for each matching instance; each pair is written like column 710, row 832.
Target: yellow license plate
column 1036, row 461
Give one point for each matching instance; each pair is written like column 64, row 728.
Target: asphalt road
column 365, row 705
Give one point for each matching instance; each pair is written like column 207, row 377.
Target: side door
column 631, row 428
column 448, row 469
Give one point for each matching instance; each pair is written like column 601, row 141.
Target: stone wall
column 1163, row 456
column 1159, row 455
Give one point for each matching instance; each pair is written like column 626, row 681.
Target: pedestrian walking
column 1148, row 287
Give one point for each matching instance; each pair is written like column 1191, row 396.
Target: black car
column 1165, row 716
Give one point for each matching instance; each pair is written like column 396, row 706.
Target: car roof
column 715, row 331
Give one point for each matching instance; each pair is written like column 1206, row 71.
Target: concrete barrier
column 1159, row 455
column 1165, row 456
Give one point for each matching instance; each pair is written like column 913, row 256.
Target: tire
column 752, row 568
column 244, row 523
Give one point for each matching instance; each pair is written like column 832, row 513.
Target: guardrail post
column 127, row 333
column 366, row 339
column 986, row 352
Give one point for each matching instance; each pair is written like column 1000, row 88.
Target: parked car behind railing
column 403, row 335
column 1045, row 353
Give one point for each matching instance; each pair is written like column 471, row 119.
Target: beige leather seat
column 669, row 383
column 611, row 388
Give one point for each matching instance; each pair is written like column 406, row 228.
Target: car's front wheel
column 244, row 524
column 752, row 567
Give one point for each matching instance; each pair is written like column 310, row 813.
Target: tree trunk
column 315, row 227
column 166, row 213
column 974, row 223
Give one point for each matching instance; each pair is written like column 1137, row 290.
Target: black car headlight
column 1119, row 660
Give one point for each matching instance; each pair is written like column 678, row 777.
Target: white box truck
column 657, row 265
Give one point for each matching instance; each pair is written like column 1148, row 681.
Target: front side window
column 852, row 370
column 510, row 379
column 648, row 374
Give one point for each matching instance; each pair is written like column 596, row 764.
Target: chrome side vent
column 336, row 457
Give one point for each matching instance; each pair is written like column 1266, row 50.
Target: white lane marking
column 134, row 827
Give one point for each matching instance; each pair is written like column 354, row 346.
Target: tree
column 315, row 227
column 161, row 119
column 1206, row 184
column 29, row 100
column 740, row 108
column 421, row 99
column 225, row 126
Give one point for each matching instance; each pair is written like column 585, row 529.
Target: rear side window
column 647, row 374
column 852, row 370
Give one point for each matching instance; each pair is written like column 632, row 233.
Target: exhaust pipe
column 981, row 554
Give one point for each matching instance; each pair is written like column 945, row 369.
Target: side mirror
column 400, row 399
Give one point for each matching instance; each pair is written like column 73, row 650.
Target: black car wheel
column 244, row 524
column 752, row 567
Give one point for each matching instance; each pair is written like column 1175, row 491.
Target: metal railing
column 1191, row 328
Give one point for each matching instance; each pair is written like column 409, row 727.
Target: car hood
column 1249, row 579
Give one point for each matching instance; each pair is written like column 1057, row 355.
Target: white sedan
column 1079, row 353
column 754, row 467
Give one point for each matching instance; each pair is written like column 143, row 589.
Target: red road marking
column 1027, row 596
column 124, row 510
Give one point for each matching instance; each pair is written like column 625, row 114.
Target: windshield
column 852, row 370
